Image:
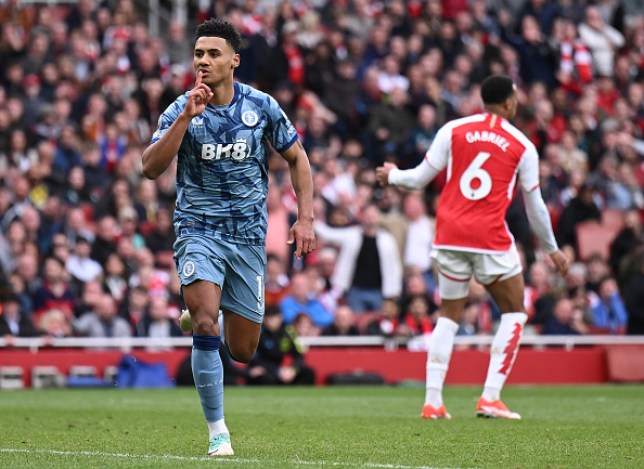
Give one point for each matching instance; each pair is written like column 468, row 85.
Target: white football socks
column 441, row 344
column 217, row 428
column 503, row 352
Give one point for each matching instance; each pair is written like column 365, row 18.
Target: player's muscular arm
column 158, row 156
column 301, row 233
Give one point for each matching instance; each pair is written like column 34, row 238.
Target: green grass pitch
column 338, row 427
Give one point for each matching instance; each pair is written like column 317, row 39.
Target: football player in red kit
column 486, row 157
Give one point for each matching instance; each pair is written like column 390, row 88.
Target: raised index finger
column 198, row 81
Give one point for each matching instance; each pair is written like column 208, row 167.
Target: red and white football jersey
column 485, row 156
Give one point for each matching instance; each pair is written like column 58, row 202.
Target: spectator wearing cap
column 12, row 321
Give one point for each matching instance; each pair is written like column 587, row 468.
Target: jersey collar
column 236, row 95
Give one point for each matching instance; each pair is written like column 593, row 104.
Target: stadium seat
column 81, row 371
column 81, row 376
column 594, row 238
column 613, row 219
column 11, row 377
column 46, row 377
column 110, row 372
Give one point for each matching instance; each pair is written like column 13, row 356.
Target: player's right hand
column 560, row 261
column 382, row 173
column 198, row 98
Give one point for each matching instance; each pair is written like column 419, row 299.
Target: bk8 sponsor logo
column 237, row 151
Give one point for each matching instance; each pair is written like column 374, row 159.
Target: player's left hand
column 560, row 261
column 303, row 236
column 382, row 173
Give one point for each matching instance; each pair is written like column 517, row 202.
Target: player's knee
column 205, row 324
column 241, row 354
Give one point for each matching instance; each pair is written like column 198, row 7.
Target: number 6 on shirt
column 475, row 171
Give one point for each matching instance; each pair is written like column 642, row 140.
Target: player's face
column 214, row 57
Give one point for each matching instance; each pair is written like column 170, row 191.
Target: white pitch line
column 227, row 459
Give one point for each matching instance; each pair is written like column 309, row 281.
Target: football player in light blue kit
column 220, row 131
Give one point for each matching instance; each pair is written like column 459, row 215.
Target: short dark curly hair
column 496, row 88
column 215, row 27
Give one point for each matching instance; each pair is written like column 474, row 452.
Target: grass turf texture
column 373, row 427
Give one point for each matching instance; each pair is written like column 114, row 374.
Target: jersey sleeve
column 529, row 169
column 280, row 131
column 439, row 151
column 435, row 160
column 167, row 118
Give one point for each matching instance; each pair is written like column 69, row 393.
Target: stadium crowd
column 86, row 240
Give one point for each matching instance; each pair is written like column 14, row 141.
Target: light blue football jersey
column 222, row 172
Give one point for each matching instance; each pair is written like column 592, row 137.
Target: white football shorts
column 456, row 268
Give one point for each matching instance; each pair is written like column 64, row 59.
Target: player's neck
column 223, row 94
column 497, row 110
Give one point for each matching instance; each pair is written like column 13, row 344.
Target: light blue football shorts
column 238, row 269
